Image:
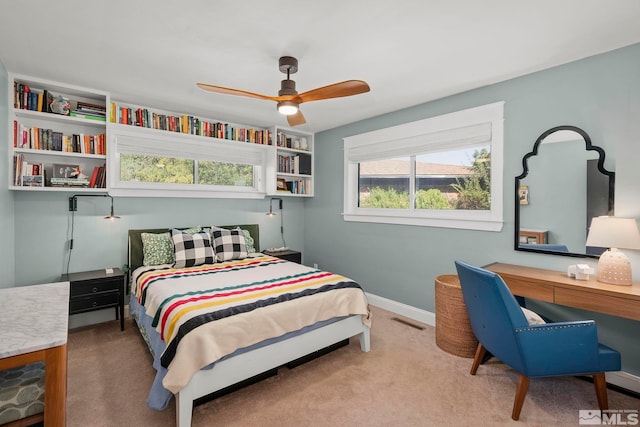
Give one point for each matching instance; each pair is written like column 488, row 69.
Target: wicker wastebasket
column 453, row 330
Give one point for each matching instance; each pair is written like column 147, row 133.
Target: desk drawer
column 93, row 302
column 527, row 289
column 94, row 287
column 597, row 302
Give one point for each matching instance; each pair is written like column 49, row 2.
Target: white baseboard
column 621, row 378
column 625, row 380
column 405, row 310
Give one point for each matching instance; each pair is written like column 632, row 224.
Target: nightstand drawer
column 94, row 287
column 93, row 302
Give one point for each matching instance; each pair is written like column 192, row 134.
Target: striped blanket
column 204, row 313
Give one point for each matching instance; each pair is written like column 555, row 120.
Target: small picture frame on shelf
column 281, row 185
column 66, row 171
column 33, row 181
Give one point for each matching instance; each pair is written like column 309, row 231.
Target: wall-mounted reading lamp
column 272, row 213
column 73, row 207
column 73, row 203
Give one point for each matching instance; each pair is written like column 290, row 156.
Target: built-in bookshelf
column 294, row 162
column 54, row 127
column 60, row 134
column 138, row 116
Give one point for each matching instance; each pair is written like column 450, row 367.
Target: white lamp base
column 614, row 268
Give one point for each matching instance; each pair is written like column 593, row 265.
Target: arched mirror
column 563, row 185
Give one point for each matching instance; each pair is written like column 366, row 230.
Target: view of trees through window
column 171, row 170
column 457, row 179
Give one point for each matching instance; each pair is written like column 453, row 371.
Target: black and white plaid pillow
column 228, row 244
column 191, row 249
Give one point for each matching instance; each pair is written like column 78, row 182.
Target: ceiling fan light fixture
column 287, row 107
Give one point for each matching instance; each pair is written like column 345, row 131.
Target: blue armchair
column 552, row 349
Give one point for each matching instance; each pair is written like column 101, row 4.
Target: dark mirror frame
column 525, row 172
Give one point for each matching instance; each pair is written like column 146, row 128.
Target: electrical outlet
column 315, row 265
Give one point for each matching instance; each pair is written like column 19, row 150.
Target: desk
column 34, row 322
column 556, row 287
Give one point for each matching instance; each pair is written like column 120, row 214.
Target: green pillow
column 248, row 240
column 157, row 248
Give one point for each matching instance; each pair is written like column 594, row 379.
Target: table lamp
column 613, row 233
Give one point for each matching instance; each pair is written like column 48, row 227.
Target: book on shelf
column 304, row 164
column 69, row 182
column 23, row 170
column 94, row 177
column 88, row 116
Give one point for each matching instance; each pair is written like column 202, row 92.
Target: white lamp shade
column 614, row 232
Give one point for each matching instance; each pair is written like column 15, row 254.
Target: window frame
column 148, row 142
column 461, row 128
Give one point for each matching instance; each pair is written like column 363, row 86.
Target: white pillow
column 532, row 317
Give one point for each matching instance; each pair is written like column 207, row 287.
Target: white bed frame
column 246, row 365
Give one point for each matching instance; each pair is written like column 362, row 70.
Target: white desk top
column 33, row 318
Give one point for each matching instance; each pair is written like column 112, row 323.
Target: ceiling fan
column 289, row 99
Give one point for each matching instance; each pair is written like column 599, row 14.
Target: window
column 444, row 171
column 185, row 166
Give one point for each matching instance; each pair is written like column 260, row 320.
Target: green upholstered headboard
column 135, row 254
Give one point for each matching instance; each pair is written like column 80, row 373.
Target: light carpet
column 406, row 380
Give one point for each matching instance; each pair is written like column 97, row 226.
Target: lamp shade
column 614, row 232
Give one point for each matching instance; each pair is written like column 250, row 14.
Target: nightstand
column 96, row 290
column 289, row 255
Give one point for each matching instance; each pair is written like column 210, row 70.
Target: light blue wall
column 7, row 264
column 600, row 94
column 43, row 228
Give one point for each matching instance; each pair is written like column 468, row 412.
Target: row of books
column 144, row 117
column 295, row 163
column 37, row 138
column 27, row 174
column 287, row 141
column 298, row 186
column 37, row 99
column 27, row 98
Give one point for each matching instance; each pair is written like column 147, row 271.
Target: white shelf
column 286, row 148
column 57, row 123
column 68, row 125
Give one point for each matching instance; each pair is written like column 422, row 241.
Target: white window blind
column 446, row 140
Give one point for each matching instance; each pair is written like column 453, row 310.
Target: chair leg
column 477, row 360
column 521, row 393
column 600, row 381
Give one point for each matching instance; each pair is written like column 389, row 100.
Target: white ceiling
column 152, row 52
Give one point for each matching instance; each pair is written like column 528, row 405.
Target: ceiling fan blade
column 229, row 91
column 336, row 90
column 296, row 119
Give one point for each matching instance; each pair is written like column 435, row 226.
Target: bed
column 233, row 313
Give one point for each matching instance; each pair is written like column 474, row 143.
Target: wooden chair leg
column 600, row 381
column 521, row 393
column 477, row 360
